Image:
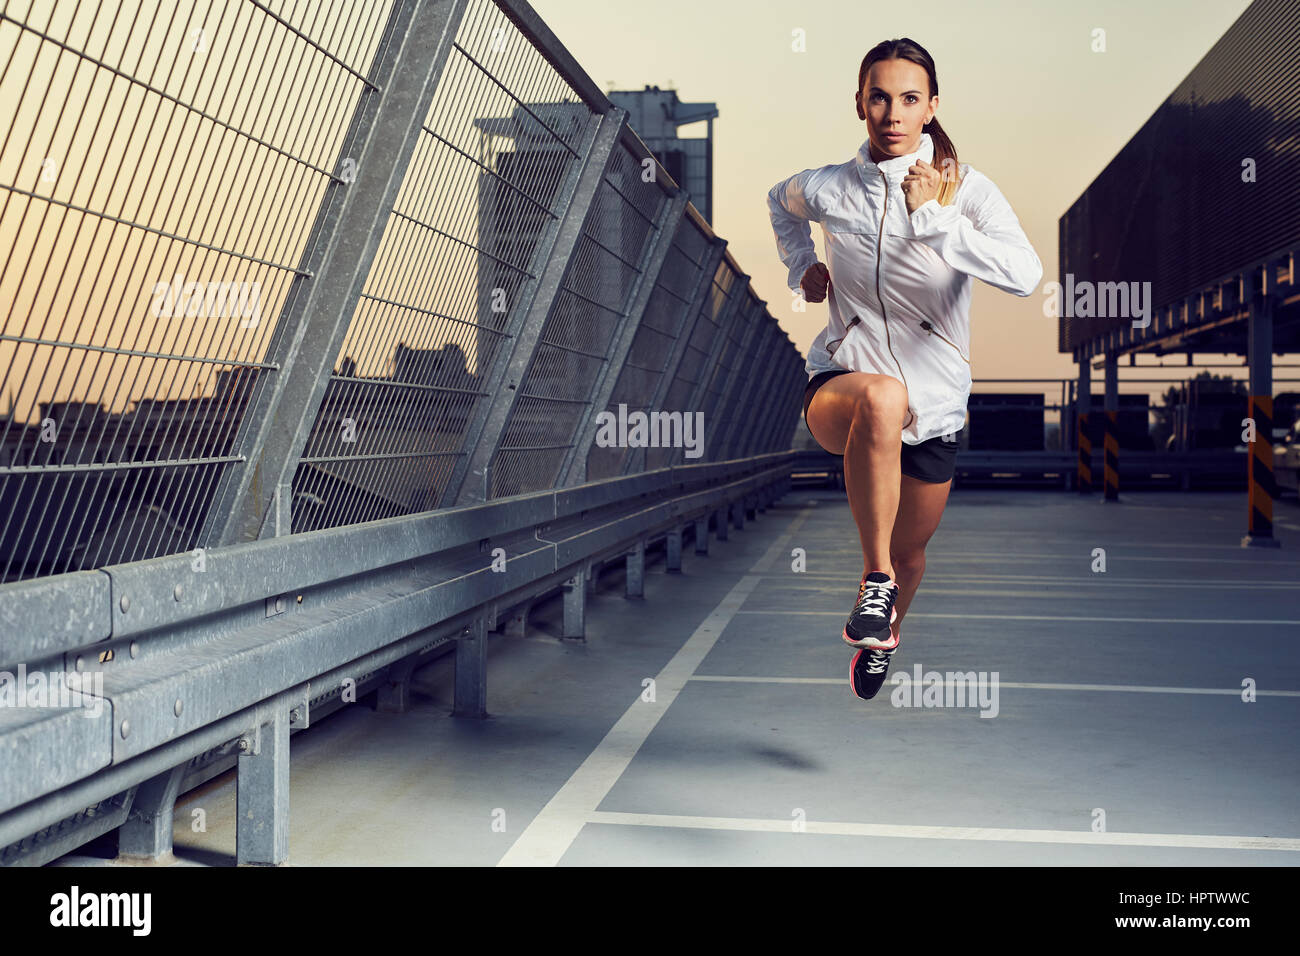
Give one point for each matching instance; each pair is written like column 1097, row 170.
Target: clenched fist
column 815, row 281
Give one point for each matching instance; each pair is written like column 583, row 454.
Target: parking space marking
column 550, row 834
column 998, row 834
column 1234, row 621
column 1015, row 685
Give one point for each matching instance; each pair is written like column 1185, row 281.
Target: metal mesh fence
column 665, row 319
column 695, row 365
column 593, row 301
column 167, row 180
column 487, row 180
column 158, row 175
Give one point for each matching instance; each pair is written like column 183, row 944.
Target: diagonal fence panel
column 592, row 303
column 698, row 358
column 187, row 359
column 157, row 183
column 459, row 262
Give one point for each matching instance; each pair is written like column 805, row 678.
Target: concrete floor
column 1118, row 693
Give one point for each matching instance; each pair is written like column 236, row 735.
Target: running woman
column 905, row 229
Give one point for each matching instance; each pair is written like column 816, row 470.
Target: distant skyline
column 1021, row 93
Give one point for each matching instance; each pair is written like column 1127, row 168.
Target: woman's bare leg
column 860, row 415
column 920, row 507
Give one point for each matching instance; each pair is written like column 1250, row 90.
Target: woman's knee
column 881, row 405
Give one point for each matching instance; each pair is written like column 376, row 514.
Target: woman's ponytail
column 945, row 160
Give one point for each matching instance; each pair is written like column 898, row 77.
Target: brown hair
column 945, row 154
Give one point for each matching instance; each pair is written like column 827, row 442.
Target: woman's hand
column 920, row 185
column 814, row 282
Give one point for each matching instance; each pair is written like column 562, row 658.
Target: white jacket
column 905, row 313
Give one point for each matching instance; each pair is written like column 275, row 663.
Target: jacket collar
column 894, row 168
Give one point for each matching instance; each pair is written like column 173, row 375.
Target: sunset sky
column 1021, row 94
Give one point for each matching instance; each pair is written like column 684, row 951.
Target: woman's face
column 894, row 103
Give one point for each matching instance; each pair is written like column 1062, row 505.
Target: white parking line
column 556, row 826
column 1266, row 558
column 1083, row 579
column 1000, row 834
column 1235, row 621
column 972, row 589
column 1126, row 688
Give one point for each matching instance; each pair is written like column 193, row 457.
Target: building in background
column 656, row 115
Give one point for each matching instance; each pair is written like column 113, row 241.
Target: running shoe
column 868, row 670
column 869, row 623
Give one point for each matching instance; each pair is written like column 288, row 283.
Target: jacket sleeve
column 989, row 245
column 792, row 205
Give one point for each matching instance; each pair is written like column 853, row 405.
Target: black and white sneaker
column 868, row 670
column 869, row 623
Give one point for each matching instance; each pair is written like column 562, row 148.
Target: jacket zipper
column 880, row 250
column 930, row 328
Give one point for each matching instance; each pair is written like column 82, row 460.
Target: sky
column 1022, row 94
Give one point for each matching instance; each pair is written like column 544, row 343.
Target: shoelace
column 877, row 661
column 874, row 598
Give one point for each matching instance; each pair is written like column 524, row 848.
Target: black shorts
column 932, row 460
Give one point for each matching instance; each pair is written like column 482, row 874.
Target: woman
column 905, row 230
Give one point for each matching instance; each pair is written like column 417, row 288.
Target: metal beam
column 699, row 295
column 728, row 314
column 574, row 469
column 768, row 401
column 789, row 384
column 750, row 403
column 471, row 480
column 262, row 794
column 724, row 405
column 386, row 127
column 147, row 833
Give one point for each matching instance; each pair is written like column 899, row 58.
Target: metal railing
column 312, row 322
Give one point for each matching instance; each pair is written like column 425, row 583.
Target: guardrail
column 180, row 655
column 465, row 259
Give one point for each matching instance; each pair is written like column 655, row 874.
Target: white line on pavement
column 1017, row 685
column 1186, row 840
column 556, row 826
column 1235, row 621
column 1085, row 579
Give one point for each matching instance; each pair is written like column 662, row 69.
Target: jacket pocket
column 928, row 326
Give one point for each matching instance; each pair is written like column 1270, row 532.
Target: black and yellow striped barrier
column 1261, row 487
column 1111, row 447
column 1085, row 456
